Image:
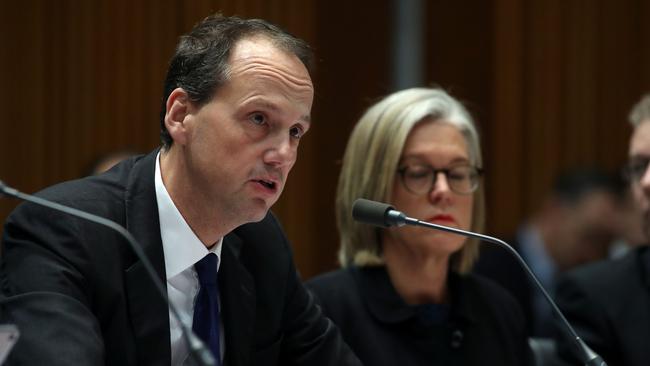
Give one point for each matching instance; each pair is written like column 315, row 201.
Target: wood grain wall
column 550, row 82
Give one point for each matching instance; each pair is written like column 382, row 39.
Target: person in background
column 405, row 295
column 608, row 302
column 576, row 224
column 104, row 162
column 237, row 100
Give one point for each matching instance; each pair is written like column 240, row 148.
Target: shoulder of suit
column 334, row 278
column 612, row 270
column 338, row 284
column 94, row 194
column 609, row 279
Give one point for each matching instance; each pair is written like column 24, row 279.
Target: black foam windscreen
column 371, row 212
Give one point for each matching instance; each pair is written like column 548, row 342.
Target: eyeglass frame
column 446, row 171
column 635, row 169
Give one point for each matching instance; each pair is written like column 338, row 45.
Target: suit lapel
column 237, row 291
column 148, row 310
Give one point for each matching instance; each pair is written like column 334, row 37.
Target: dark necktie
column 206, row 309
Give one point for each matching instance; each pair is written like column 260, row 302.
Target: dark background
column 550, row 82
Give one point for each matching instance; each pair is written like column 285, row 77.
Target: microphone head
column 372, row 212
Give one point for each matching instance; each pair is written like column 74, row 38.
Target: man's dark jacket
column 608, row 304
column 80, row 296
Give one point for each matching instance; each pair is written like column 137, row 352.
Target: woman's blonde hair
column 371, row 160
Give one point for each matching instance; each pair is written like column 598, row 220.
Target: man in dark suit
column 237, row 100
column 609, row 302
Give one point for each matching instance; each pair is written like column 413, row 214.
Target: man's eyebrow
column 306, row 118
column 264, row 104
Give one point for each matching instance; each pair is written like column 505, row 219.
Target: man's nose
column 282, row 152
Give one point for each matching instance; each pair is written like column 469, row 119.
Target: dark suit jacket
column 81, row 297
column 482, row 326
column 608, row 303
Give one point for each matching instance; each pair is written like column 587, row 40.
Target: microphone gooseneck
column 385, row 215
column 198, row 351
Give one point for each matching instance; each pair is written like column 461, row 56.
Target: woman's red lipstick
column 442, row 218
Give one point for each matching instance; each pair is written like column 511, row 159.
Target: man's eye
column 258, row 118
column 296, row 132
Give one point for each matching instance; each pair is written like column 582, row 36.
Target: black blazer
column 482, row 326
column 608, row 303
column 80, row 296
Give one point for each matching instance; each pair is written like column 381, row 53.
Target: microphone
column 197, row 349
column 385, row 215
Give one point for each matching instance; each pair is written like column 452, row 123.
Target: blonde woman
column 405, row 295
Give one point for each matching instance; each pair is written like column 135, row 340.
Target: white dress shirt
column 182, row 249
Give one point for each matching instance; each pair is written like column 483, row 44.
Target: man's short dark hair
column 572, row 185
column 200, row 64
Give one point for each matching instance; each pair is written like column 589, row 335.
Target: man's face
column 586, row 228
column 639, row 154
column 241, row 145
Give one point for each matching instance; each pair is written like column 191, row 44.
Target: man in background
column 104, row 162
column 575, row 225
column 608, row 303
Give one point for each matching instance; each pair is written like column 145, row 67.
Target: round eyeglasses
column 420, row 179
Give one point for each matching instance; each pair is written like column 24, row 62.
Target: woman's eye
column 258, row 118
column 417, row 173
column 457, row 176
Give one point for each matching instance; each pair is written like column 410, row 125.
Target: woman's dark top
column 482, row 324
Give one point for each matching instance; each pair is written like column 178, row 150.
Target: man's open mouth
column 267, row 184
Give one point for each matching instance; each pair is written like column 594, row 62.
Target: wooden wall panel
column 580, row 71
column 580, row 82
column 352, row 45
column 543, row 107
column 618, row 52
column 503, row 129
column 642, row 28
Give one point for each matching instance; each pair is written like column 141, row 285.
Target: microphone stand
column 198, row 351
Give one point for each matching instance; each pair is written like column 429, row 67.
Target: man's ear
column 179, row 107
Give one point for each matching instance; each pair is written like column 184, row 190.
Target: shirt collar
column 181, row 247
